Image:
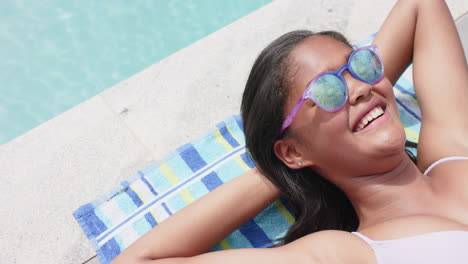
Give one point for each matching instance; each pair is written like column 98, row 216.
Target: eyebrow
column 346, row 57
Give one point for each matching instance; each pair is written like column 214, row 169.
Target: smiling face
column 365, row 137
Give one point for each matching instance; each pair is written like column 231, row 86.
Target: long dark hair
column 317, row 203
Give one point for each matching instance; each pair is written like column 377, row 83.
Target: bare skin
column 392, row 197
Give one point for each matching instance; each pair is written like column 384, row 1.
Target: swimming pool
column 56, row 54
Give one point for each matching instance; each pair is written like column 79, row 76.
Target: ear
column 287, row 151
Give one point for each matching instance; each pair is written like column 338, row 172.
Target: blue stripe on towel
column 404, row 91
column 270, row 222
column 103, row 216
column 94, row 225
column 150, row 187
column 238, row 240
column 217, row 248
column 192, row 158
column 287, row 205
column 246, row 158
column 166, row 208
column 211, row 181
column 110, row 249
column 180, row 168
column 255, row 234
column 120, row 242
column 221, row 124
column 407, row 109
column 228, row 137
column 134, row 196
column 149, row 217
column 236, row 130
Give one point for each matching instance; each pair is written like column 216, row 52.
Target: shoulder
column 334, row 246
column 331, row 236
column 325, row 247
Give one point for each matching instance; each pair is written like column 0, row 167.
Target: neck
column 403, row 191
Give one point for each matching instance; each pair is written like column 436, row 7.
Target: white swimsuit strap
column 368, row 240
column 372, row 244
column 442, row 161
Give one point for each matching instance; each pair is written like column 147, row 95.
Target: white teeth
column 376, row 112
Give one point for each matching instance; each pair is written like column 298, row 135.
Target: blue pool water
column 56, row 54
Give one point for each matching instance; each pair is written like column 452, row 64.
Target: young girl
column 322, row 124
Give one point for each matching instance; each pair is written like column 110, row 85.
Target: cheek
column 385, row 89
column 324, row 138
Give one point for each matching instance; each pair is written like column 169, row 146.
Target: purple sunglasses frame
column 292, row 114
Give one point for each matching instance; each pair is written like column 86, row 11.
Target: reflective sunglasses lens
column 367, row 66
column 329, row 92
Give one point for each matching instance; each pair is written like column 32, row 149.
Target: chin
column 391, row 142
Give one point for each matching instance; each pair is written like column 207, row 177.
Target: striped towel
column 121, row 216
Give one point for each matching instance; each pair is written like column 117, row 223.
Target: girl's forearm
column 410, row 24
column 198, row 227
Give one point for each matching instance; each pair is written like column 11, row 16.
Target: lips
column 372, row 111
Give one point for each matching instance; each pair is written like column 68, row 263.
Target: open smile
column 371, row 116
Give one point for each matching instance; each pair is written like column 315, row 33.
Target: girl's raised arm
column 198, row 227
column 423, row 31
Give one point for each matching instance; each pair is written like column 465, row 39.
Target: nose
column 357, row 90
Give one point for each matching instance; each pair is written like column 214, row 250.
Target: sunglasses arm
column 289, row 119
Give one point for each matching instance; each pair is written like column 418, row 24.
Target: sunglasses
column 329, row 89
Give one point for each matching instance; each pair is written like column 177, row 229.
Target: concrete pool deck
column 72, row 159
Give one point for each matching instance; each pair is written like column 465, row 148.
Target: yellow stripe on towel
column 170, row 175
column 137, row 193
column 411, row 134
column 225, row 245
column 187, row 196
column 406, row 95
column 233, row 134
column 282, row 209
column 223, row 141
column 242, row 163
